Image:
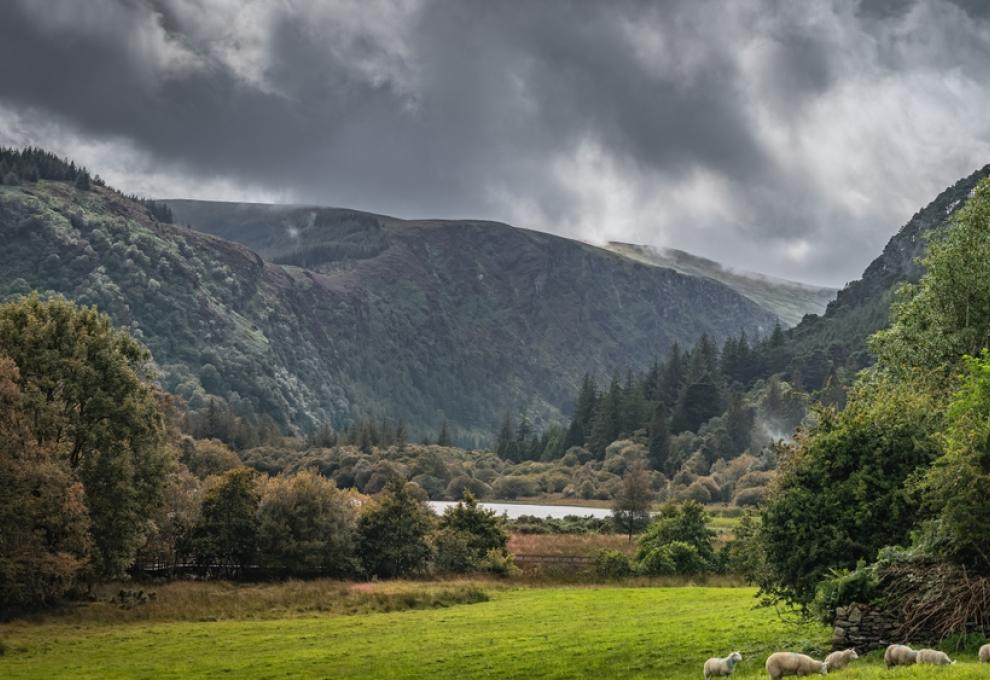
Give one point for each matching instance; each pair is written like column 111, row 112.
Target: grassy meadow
column 411, row 630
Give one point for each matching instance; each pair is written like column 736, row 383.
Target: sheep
column 899, row 655
column 933, row 657
column 780, row 664
column 716, row 666
column 985, row 654
column 839, row 660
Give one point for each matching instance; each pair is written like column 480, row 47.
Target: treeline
column 679, row 395
column 30, row 164
column 218, row 421
column 27, row 165
column 98, row 480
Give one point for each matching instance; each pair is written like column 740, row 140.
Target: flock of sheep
column 780, row 664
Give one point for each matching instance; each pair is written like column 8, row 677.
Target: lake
column 514, row 510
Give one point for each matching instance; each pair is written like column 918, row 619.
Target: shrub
column 750, row 497
column 612, row 564
column 656, row 562
column 498, row 563
column 842, row 587
column 685, row 523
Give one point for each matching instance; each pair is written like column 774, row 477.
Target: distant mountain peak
column 789, row 300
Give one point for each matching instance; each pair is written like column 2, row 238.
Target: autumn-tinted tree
column 44, row 525
column 84, row 390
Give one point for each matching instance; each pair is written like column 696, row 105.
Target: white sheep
column 717, row 667
column 899, row 655
column 780, row 664
column 933, row 657
column 838, row 660
column 985, row 654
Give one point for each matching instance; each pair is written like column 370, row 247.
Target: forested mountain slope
column 420, row 321
column 835, row 342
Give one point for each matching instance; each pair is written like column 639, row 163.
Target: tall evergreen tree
column 443, row 438
column 672, row 377
column 659, row 450
column 607, row 422
column 584, row 411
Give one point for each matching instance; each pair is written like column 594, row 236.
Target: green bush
column 843, row 587
column 498, row 563
column 612, row 564
column 656, row 562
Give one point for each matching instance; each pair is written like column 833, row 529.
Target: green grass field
column 525, row 633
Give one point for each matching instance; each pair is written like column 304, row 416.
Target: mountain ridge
column 452, row 320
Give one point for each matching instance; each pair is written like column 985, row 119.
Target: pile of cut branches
column 935, row 599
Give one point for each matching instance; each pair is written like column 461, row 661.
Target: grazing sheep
column 985, row 654
column 899, row 655
column 716, row 666
column 780, row 664
column 838, row 660
column 933, row 657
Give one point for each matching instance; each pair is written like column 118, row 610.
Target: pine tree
column 739, row 423
column 584, row 411
column 607, row 422
column 672, row 380
column 443, row 439
column 659, row 451
column 505, row 441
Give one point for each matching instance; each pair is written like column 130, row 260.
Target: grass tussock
column 223, row 600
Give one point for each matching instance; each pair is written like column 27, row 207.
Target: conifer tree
column 584, row 411
column 659, row 450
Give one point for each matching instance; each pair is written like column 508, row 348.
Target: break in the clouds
column 784, row 137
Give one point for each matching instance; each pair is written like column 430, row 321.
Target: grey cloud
column 783, row 137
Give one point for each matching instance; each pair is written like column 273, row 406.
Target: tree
column 672, row 377
column 443, row 438
column 957, row 487
column 306, row 523
column 44, row 525
column 631, row 507
column 841, row 492
column 466, row 534
column 505, row 442
column 584, row 411
column 82, row 181
column 739, row 420
column 947, row 314
column 207, row 457
column 84, row 389
column 698, row 403
column 659, row 446
column 607, row 423
column 392, row 534
column 227, row 531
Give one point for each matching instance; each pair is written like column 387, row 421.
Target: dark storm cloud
column 791, row 138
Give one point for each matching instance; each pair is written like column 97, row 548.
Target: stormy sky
column 792, row 138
